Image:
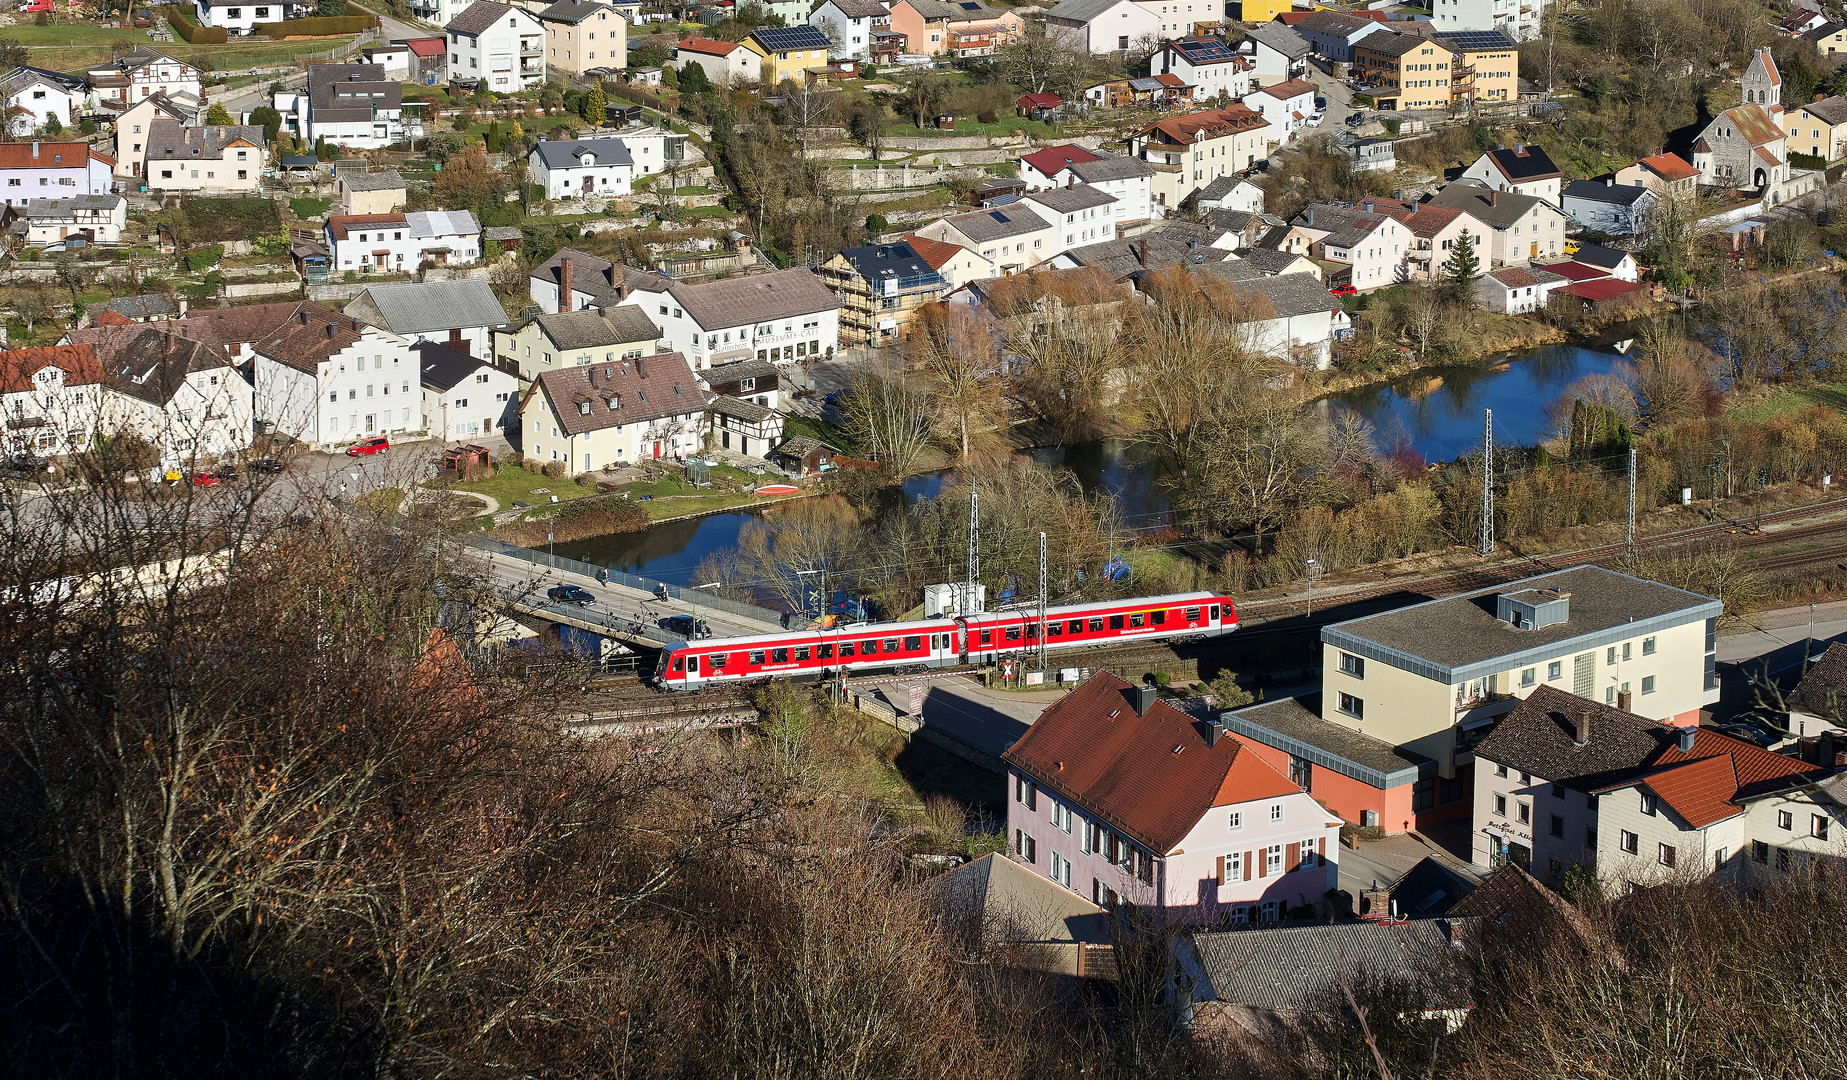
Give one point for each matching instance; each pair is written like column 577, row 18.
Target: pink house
column 962, row 28
column 1118, row 796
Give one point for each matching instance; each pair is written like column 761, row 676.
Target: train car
column 918, row 646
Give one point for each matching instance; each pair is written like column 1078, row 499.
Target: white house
column 134, row 126
column 1080, row 215
column 1043, row 168
column 1525, row 169
column 458, row 314
column 1298, row 327
column 576, row 169
column 1620, row 265
column 1521, row 227
column 147, row 72
column 1517, row 290
column 52, row 170
column 1102, row 27
column 214, row 158
column 502, row 46
column 1009, row 238
column 463, row 396
column 1207, row 64
column 1606, row 207
column 726, row 63
column 1519, row 21
column 352, row 105
column 782, row 316
column 42, row 95
column 395, row 58
column 328, row 379
column 1232, row 193
column 652, row 149
column 185, row 397
column 1368, row 240
column 400, row 243
column 1286, row 105
column 241, row 16
column 97, row 217
column 1127, row 180
column 1276, row 52
column 51, row 399
column 629, row 409
column 849, row 25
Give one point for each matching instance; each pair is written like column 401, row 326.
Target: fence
column 697, row 597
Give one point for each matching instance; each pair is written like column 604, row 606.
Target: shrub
column 987, row 116
column 54, row 126
column 531, row 465
column 204, row 257
column 191, row 32
column 553, row 470
column 319, row 27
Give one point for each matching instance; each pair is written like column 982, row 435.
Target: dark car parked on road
column 571, row 594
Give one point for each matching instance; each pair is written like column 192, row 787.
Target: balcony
column 531, row 47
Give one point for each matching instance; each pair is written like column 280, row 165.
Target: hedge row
column 193, row 33
column 337, row 26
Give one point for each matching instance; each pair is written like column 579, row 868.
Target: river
column 1436, row 413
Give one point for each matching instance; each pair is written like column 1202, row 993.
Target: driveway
column 1340, row 101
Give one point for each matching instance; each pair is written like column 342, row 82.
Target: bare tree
column 890, row 415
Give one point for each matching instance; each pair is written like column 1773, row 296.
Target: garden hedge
column 193, row 33
column 319, row 27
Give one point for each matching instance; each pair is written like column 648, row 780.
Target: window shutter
column 1323, row 852
column 1294, row 858
column 1263, row 864
column 1221, row 869
column 1247, row 866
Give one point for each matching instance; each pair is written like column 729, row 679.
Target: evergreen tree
column 218, row 114
column 1461, row 270
column 596, row 106
column 693, row 80
column 492, row 137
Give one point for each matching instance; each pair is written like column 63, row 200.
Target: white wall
column 480, row 404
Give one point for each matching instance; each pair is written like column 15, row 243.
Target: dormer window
column 583, row 408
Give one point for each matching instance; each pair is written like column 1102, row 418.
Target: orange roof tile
column 54, row 155
column 1670, row 167
column 710, row 45
column 935, row 252
column 1153, row 776
column 17, row 366
column 1212, row 124
column 1704, row 785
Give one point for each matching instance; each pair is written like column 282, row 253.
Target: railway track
column 1803, row 558
column 1749, row 534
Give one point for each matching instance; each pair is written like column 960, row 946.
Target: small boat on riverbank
column 776, row 489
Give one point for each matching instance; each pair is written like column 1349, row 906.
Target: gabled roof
column 1673, row 167
column 877, row 262
column 755, row 298
column 1345, row 226
column 1017, row 905
column 1712, row 781
column 67, row 208
column 1472, row 41
column 1601, row 192
column 1212, row 124
column 1295, row 968
column 1283, row 91
column 1082, row 10
column 566, row 154
column 1043, row 100
column 427, row 307
column 1281, row 38
column 428, row 224
column 1334, row 23
column 570, row 11
column 1153, row 776
column 1054, row 159
column 1103, row 170
column 1521, row 277
column 936, row 253
column 1829, row 110
column 1576, row 271
column 145, row 306
column 954, row 10
column 43, row 155
column 1763, row 62
column 1753, row 123
column 477, row 18
column 388, row 180
column 1200, row 52
column 1220, row 187
column 1602, row 288
column 1823, row 689
column 169, row 141
column 789, row 38
column 620, row 392
column 1496, row 209
column 442, row 368
column 620, row 324
column 17, row 366
column 427, row 46
column 1607, row 258
column 726, row 374
column 311, row 335
column 1392, row 43
column 149, row 363
column 709, row 46
column 1539, row 736
column 1523, row 163
column 997, row 224
column 1070, row 200
column 339, row 225
column 861, row 9
column 1422, row 219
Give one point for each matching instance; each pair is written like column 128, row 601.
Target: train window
column 1032, row 631
column 1013, row 633
column 987, row 637
column 1096, row 626
column 1192, row 614
column 679, row 663
column 716, row 661
column 1159, row 618
column 1054, row 629
column 824, row 652
column 801, row 652
column 939, row 641
column 1215, row 613
column 911, row 644
column 1077, row 626
column 846, row 649
column 868, row 648
column 1115, row 622
column 891, row 644
column 692, row 664
column 1137, row 621
column 756, row 657
column 779, row 656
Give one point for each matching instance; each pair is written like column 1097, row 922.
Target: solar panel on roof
column 1204, row 51
column 780, row 38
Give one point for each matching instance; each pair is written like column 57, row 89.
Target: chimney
column 1214, row 732
column 1580, row 735
column 1685, row 740
column 1494, row 198
column 564, row 285
column 1311, row 217
column 1520, row 149
column 1144, row 699
column 593, row 378
column 331, row 327
column 1413, row 210
column 1624, row 699
column 304, row 316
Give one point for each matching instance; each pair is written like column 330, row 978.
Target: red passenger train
column 943, row 642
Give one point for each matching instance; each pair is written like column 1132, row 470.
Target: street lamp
column 1314, row 576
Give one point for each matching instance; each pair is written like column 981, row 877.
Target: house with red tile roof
column 1119, row 796
column 959, row 265
column 1189, row 152
column 1039, row 169
column 726, row 63
column 34, row 169
column 1667, row 175
column 51, row 399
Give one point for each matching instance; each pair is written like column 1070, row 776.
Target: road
column 1340, row 100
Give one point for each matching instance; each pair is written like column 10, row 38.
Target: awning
column 382, row 251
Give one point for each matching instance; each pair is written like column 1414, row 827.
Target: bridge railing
column 697, row 597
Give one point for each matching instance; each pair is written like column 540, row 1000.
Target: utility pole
column 972, row 587
column 1631, row 540
column 1485, row 544
column 1042, row 600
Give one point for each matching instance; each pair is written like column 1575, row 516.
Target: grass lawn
column 63, row 48
column 817, row 429
column 1827, row 395
column 308, row 207
column 1005, row 125
column 511, row 485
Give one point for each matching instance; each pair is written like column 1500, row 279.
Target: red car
column 205, row 480
column 1344, row 290
column 377, row 444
